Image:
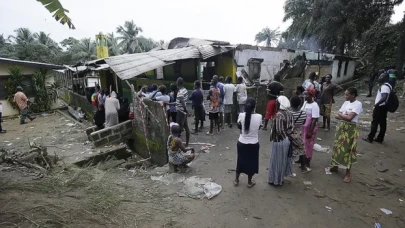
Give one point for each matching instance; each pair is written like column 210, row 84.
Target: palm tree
column 59, row 13
column 113, row 47
column 85, row 50
column 45, row 39
column 129, row 33
column 268, row 35
column 23, row 36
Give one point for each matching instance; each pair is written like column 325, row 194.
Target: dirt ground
column 90, row 197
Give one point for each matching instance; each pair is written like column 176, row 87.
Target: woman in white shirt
column 310, row 128
column 248, row 146
column 345, row 144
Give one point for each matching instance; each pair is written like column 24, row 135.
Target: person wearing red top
column 271, row 111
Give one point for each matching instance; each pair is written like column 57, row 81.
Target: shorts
column 213, row 115
column 326, row 110
column 221, row 107
column 228, row 108
column 271, row 109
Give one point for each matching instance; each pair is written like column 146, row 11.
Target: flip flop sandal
column 251, row 185
column 235, row 183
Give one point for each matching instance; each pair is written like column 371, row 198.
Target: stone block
column 113, row 138
column 94, row 137
column 90, row 130
column 118, row 129
column 128, row 124
column 105, row 133
column 126, row 133
column 101, row 142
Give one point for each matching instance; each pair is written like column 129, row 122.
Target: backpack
column 393, row 102
column 94, row 99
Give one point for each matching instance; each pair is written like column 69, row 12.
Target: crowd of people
column 111, row 109
column 293, row 125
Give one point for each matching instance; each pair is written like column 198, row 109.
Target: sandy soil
column 144, row 203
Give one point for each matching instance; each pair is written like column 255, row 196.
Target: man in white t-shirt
column 380, row 111
column 240, row 90
column 229, row 89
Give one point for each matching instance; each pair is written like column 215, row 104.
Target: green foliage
column 334, row 26
column 59, row 13
column 16, row 79
column 45, row 93
column 128, row 36
column 268, row 36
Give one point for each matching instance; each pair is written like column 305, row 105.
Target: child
column 177, row 152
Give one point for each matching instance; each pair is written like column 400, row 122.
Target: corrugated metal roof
column 38, row 64
column 208, row 51
column 129, row 66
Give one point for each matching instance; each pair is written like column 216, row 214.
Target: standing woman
column 172, row 114
column 329, row 90
column 310, row 128
column 112, row 105
column 248, row 146
column 281, row 152
column 299, row 117
column 345, row 144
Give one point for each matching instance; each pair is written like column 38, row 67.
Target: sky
column 236, row 21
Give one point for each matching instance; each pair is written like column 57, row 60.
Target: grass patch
column 64, row 198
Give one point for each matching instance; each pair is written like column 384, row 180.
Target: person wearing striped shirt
column 182, row 113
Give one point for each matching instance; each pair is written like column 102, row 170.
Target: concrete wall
column 271, row 60
column 225, row 66
column 76, row 100
column 342, row 77
column 156, row 130
column 8, row 110
column 110, row 135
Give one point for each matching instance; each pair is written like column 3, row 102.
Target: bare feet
column 347, row 179
column 235, row 183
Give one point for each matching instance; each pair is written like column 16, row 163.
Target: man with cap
column 21, row 100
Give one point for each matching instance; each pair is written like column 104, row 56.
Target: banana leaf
column 59, row 13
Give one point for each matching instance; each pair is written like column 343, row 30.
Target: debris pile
column 37, row 158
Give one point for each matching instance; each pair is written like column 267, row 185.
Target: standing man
column 220, row 86
column 371, row 81
column 1, row 112
column 229, row 89
column 182, row 113
column 380, row 110
column 329, row 89
column 241, row 92
column 197, row 98
column 22, row 101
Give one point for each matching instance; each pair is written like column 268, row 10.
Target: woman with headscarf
column 310, row 128
column 281, row 151
column 112, row 105
column 248, row 146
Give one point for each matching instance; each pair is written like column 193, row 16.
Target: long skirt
column 280, row 164
column 111, row 119
column 309, row 143
column 345, row 145
column 248, row 158
column 298, row 147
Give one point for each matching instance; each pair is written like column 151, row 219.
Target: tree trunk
column 401, row 50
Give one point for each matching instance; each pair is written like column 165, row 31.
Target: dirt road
column 141, row 202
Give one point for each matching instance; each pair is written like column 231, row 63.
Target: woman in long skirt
column 112, row 105
column 248, row 145
column 281, row 151
column 310, row 128
column 345, row 144
column 299, row 117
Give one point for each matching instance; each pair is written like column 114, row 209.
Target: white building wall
column 342, row 77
